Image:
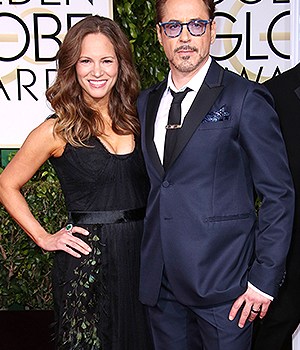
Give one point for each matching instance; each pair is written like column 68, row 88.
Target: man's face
column 186, row 53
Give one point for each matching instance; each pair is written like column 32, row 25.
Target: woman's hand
column 64, row 240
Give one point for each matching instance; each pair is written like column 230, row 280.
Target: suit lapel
column 152, row 108
column 203, row 102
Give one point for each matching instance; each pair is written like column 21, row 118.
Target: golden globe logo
column 253, row 37
column 30, row 35
column 29, row 40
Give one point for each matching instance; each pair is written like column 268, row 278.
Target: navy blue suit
column 201, row 227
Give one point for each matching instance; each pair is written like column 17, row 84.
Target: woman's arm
column 37, row 148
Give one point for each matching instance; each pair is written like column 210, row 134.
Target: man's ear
column 213, row 31
column 158, row 31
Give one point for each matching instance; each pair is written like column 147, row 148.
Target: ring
column 69, row 227
column 255, row 311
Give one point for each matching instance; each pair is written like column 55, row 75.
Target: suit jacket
column 285, row 89
column 201, row 224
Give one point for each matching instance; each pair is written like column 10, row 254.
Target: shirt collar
column 195, row 83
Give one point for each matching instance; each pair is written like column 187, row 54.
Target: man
column 208, row 264
column 276, row 330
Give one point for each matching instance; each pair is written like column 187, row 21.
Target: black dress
column 96, row 296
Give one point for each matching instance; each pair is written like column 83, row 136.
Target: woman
column 92, row 142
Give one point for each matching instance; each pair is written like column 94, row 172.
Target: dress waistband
column 106, row 217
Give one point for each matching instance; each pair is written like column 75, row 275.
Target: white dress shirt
column 163, row 111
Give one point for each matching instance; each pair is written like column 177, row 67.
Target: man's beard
column 185, row 66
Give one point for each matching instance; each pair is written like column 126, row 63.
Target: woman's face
column 97, row 67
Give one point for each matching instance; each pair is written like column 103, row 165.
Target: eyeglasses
column 196, row 27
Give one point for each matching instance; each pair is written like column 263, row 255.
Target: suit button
column 166, row 184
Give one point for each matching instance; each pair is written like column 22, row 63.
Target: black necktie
column 174, row 121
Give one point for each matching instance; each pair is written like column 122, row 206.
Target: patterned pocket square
column 217, row 116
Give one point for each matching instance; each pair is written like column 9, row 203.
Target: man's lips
column 185, row 49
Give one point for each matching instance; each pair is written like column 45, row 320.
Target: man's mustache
column 186, row 47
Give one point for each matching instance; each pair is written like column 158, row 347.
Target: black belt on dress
column 107, row 216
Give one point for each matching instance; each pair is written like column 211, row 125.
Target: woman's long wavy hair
column 76, row 119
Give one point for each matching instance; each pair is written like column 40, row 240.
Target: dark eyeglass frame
column 203, row 22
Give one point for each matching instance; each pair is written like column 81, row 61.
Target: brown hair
column 76, row 119
column 161, row 3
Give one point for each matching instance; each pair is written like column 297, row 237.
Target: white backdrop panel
column 253, row 37
column 29, row 39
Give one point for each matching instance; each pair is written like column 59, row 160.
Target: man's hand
column 253, row 304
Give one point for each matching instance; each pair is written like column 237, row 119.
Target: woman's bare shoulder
column 45, row 137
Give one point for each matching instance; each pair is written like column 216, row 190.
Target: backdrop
column 256, row 38
column 253, row 37
column 30, row 34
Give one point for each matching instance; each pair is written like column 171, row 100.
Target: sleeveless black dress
column 96, row 296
